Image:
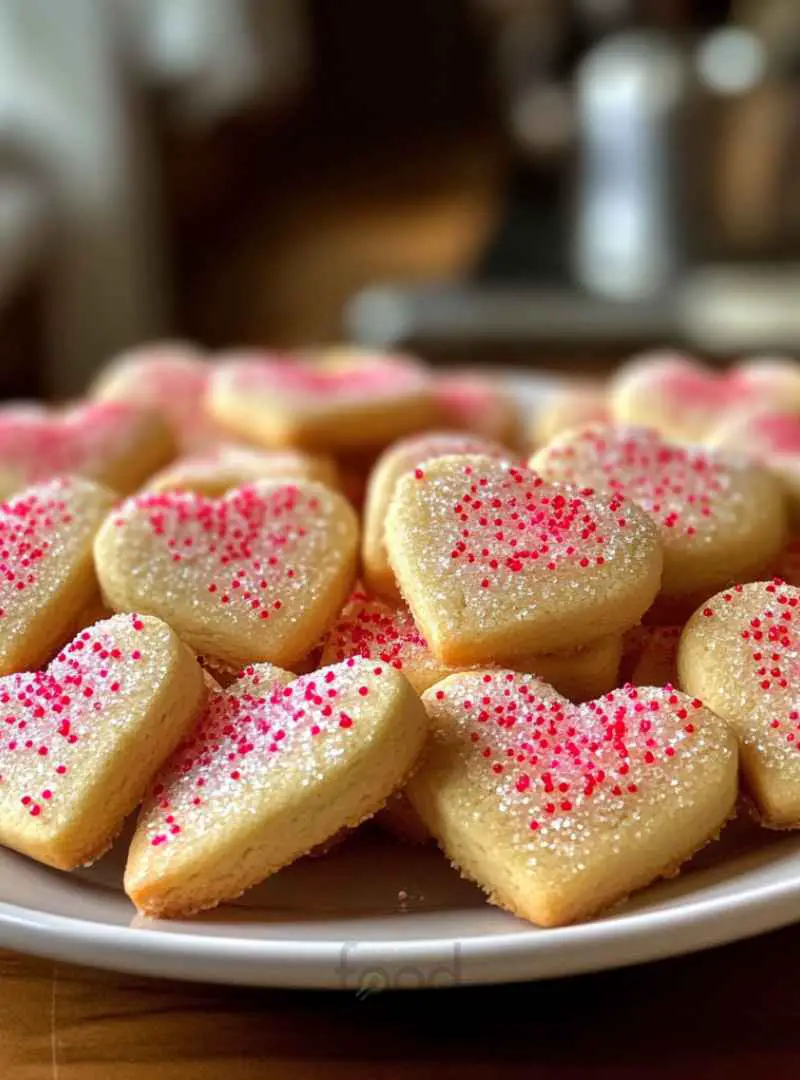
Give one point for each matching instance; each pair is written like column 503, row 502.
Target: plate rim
column 496, row 957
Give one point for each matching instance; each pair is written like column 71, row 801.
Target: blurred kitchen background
column 537, row 182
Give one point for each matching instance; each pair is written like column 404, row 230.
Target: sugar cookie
column 721, row 519
column 772, row 382
column 771, row 438
column 475, row 402
column 168, row 377
column 558, row 810
column 83, row 739
column 399, row 458
column 740, row 652
column 340, row 400
column 496, row 563
column 686, row 400
column 217, row 471
column 376, row 630
column 115, row 444
column 256, row 575
column 273, row 769
column 574, row 404
column 46, row 569
column 667, row 391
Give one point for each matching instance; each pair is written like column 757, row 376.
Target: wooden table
column 728, row 1013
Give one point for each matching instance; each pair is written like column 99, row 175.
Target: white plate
column 374, row 915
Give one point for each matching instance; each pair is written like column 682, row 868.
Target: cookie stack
column 262, row 598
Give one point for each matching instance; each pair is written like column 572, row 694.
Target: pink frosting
column 693, row 388
column 376, row 376
column 777, row 433
column 172, row 380
column 42, row 444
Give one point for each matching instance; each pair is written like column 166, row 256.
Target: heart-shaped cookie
column 336, row 400
column 257, row 575
column 227, row 466
column 473, row 401
column 740, row 652
column 371, row 628
column 721, row 519
column 399, row 458
column 762, row 434
column 495, row 563
column 771, row 438
column 273, row 768
column 686, row 400
column 46, row 569
column 773, row 382
column 113, row 443
column 559, row 810
column 168, row 377
column 80, row 742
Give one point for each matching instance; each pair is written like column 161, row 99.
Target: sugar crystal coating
column 46, row 535
column 375, row 630
column 750, row 636
column 51, row 721
column 246, row 545
column 484, row 548
column 719, row 517
column 370, row 628
column 248, row 729
column 29, row 529
column 558, row 810
column 241, row 577
column 407, row 455
column 679, row 486
column 502, row 528
column 566, row 768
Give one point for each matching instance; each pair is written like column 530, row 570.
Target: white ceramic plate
column 373, row 915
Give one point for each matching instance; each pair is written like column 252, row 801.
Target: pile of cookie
column 261, row 599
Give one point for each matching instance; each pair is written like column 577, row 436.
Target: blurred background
column 533, row 182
